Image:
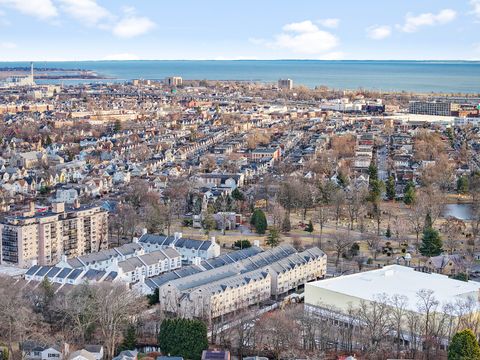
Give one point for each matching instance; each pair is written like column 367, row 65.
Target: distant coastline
column 422, row 76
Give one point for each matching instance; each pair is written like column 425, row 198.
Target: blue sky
column 239, row 29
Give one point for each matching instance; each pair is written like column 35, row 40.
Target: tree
column 309, row 228
column 117, row 127
column 431, row 241
column 464, row 346
column 237, row 195
column 341, row 242
column 409, row 193
column 154, row 298
column 208, row 223
column 390, row 188
column 273, row 238
column 259, row 221
column 462, row 185
column 388, row 233
column 286, row 226
column 129, row 338
column 114, row 308
column 183, row 337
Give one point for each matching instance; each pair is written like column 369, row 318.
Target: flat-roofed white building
column 348, row 291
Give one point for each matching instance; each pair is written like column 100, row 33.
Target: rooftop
column 397, row 279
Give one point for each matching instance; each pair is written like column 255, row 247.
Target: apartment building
column 44, row 237
column 174, row 81
column 432, row 108
column 190, row 249
column 285, row 84
column 128, row 263
column 230, row 283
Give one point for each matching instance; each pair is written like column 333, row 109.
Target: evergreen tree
column 431, row 241
column 462, row 185
column 259, row 221
column 129, row 339
column 428, row 221
column 273, row 238
column 153, row 298
column 464, row 346
column 237, row 195
column 342, row 179
column 183, row 337
column 309, row 228
column 209, row 223
column 409, row 193
column 390, row 188
column 388, row 233
column 117, row 127
column 372, row 172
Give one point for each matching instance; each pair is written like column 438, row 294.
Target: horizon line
column 245, row 59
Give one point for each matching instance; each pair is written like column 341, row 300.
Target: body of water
column 416, row 76
column 460, row 211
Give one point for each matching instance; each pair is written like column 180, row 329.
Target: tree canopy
column 464, row 346
column 183, row 337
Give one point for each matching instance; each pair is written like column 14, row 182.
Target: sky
column 61, row 30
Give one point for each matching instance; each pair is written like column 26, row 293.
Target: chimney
column 177, row 235
column 135, row 240
column 144, row 231
column 76, row 203
column 58, row 207
column 256, row 243
column 212, row 239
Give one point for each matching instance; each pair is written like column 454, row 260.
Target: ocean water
column 417, row 76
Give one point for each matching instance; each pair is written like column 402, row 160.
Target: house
column 81, row 355
column 32, row 350
column 95, row 350
column 216, row 355
column 127, row 355
column 446, row 264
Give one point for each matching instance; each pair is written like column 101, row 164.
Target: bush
column 242, row 244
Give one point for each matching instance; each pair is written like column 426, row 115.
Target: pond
column 460, row 211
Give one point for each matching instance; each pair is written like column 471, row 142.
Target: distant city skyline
column 73, row 30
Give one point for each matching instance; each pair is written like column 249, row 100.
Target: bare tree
column 341, row 242
column 18, row 322
column 115, row 306
column 373, row 242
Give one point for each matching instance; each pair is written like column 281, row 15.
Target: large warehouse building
column 349, row 290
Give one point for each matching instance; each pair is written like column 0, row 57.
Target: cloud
column 413, row 23
column 331, row 23
column 132, row 25
column 301, row 27
column 85, row 11
column 41, row 9
column 8, row 45
column 304, row 38
column 379, row 32
column 122, row 56
column 476, row 7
